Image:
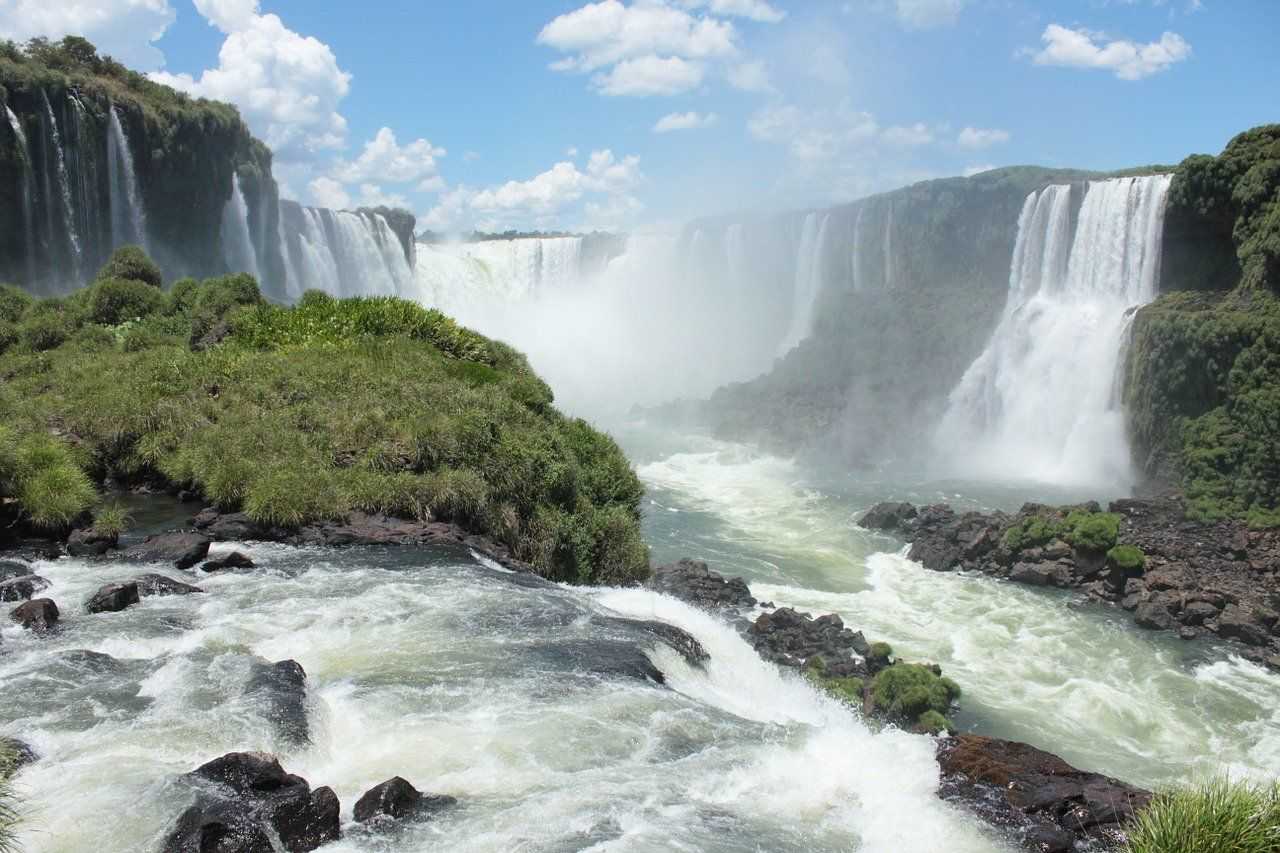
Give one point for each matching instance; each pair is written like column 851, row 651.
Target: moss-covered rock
column 913, row 693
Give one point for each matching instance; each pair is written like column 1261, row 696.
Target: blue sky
column 545, row 114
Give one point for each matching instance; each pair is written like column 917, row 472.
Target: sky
column 633, row 114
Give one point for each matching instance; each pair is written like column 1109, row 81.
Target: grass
column 9, row 811
column 1213, row 817
column 309, row 413
column 1127, row 557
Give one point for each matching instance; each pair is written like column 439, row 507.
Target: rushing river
column 517, row 698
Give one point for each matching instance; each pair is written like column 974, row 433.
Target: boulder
column 20, row 755
column 113, row 598
column 182, row 549
column 1198, row 612
column 22, row 588
column 281, row 691
column 1041, row 574
column 791, row 638
column 692, row 581
column 1153, row 615
column 152, row 585
column 250, row 797
column 84, row 542
column 1236, row 623
column 233, row 560
column 395, row 799
column 12, row 569
column 227, row 527
column 677, row 638
column 39, row 615
column 889, row 516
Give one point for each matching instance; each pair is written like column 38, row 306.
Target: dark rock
column 1198, row 612
column 281, row 688
column 677, row 638
column 1153, row 615
column 1041, row 574
column 214, row 824
column 693, row 582
column 38, row 615
column 227, row 527
column 888, row 516
column 22, row 588
column 10, row 569
column 1235, row 623
column 149, row 585
column 183, row 549
column 84, row 542
column 234, row 560
column 791, row 638
column 1048, row 839
column 113, row 598
column 396, row 799
column 608, row 658
column 21, row 753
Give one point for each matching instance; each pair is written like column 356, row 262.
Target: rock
column 693, row 582
column 1170, row 577
column 38, row 615
column 84, row 542
column 113, row 598
column 11, row 569
column 227, row 527
column 677, row 638
column 791, row 638
column 281, row 688
column 396, row 799
column 22, row 588
column 182, row 548
column 608, row 658
column 151, row 585
column 252, row 798
column 888, row 516
column 1041, row 574
column 1198, row 612
column 20, row 754
column 1153, row 615
column 234, row 560
column 1057, row 550
column 212, row 337
column 1235, row 623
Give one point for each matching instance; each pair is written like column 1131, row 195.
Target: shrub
column 111, row 520
column 114, row 300
column 39, row 471
column 131, row 263
column 1219, row 815
column 9, row 335
column 880, row 652
column 14, row 302
column 1093, row 531
column 934, row 723
column 1128, row 558
column 1032, row 532
column 908, row 690
column 46, row 326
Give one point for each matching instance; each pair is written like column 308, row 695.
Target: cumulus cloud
column 386, row 160
column 750, row 77
column 923, row 14
column 814, row 134
column 124, row 29
column 1129, row 60
column 650, row 75
column 976, row 137
column 287, row 86
column 684, row 121
column 756, row 10
column 326, row 192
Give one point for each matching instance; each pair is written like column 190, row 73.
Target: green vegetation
column 911, row 691
column 9, row 814
column 111, row 519
column 301, row 414
column 848, row 690
column 1219, row 815
column 1082, row 528
column 880, row 653
column 1092, row 531
column 131, row 263
column 1127, row 558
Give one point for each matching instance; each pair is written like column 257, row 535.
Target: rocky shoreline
column 1143, row 555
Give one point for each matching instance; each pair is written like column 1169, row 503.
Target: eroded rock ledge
column 1146, row 556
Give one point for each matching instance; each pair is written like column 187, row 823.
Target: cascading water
column 28, row 194
column 128, row 215
column 1039, row 403
column 855, row 262
column 464, row 277
column 888, row 248
column 810, row 270
column 64, row 188
column 237, row 245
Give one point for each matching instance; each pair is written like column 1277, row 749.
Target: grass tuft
column 1219, row 815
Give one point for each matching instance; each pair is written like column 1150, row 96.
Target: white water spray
column 28, row 194
column 810, row 270
column 237, row 245
column 64, row 187
column 128, row 215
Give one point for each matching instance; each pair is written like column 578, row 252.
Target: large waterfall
column 237, row 243
column 27, row 188
column 68, row 206
column 1040, row 402
column 809, row 279
column 342, row 252
column 465, row 277
column 128, row 216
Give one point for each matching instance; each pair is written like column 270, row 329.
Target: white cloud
column 386, row 160
column 756, row 10
column 602, row 34
column 814, row 135
column 908, row 135
column 326, row 192
column 286, row 85
column 923, row 14
column 977, row 169
column 433, row 184
column 372, row 195
column 571, row 152
column 976, row 137
column 684, row 121
column 123, row 29
column 650, row 75
column 1129, row 60
column 750, row 77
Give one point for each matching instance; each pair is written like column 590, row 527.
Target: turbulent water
column 1041, row 402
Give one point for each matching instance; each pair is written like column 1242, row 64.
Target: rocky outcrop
column 38, row 615
column 159, row 585
column 86, row 542
column 693, row 582
column 1047, row 804
column 181, row 549
column 230, row 561
column 396, row 799
column 280, row 690
column 791, row 638
column 243, row 798
column 684, row 643
column 113, row 598
column 22, row 587
column 1192, row 577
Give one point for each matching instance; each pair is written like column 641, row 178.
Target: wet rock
column 182, row 549
column 395, row 799
column 249, row 797
column 11, row 569
column 888, row 516
column 20, row 755
column 1235, row 623
column 791, row 638
column 1153, row 615
column 227, row 527
column 678, row 639
column 113, row 598
column 281, row 690
column 233, row 560
column 1198, row 612
column 38, row 615
column 692, row 581
column 152, row 585
column 22, row 587
column 1041, row 574
column 608, row 658
column 85, row 542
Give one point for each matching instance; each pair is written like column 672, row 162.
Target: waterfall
column 64, row 187
column 856, row 260
column 293, row 285
column 888, row 248
column 1040, row 402
column 28, row 195
column 237, row 246
column 808, row 282
column 128, row 216
column 455, row 275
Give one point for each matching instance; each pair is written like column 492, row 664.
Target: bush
column 934, row 723
column 1216, row 816
column 14, row 302
column 131, row 263
column 39, row 471
column 1127, row 558
column 880, row 653
column 1032, row 532
column 111, row 520
column 46, row 326
column 1093, row 531
column 907, row 691
column 114, row 300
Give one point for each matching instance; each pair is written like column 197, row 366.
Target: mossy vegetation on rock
column 914, row 693
column 304, row 414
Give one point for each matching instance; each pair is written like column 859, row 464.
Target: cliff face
column 98, row 156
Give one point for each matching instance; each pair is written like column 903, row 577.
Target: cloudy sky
column 621, row 113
